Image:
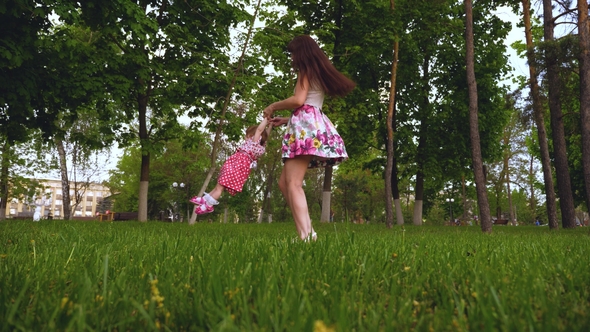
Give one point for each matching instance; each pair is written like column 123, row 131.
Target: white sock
column 212, row 201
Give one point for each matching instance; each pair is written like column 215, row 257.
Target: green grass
column 249, row 277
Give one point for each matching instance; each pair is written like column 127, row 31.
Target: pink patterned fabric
column 236, row 169
column 310, row 132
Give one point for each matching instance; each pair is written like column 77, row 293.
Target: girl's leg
column 208, row 201
column 291, row 185
column 217, row 191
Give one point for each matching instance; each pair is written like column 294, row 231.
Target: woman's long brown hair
column 311, row 62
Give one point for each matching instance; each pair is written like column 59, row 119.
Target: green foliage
column 358, row 197
column 158, row 276
column 174, row 164
column 20, row 66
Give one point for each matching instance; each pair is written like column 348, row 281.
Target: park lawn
column 57, row 275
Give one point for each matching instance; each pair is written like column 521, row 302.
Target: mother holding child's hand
column 311, row 139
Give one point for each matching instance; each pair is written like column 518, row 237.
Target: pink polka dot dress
column 236, row 169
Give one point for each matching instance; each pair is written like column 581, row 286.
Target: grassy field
column 78, row 276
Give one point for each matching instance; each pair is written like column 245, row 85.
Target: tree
column 584, row 58
column 390, row 169
column 225, row 106
column 190, row 167
column 508, row 172
column 539, row 119
column 166, row 58
column 71, row 89
column 562, row 174
column 482, row 199
column 21, row 23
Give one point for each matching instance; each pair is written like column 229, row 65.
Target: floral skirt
column 310, row 132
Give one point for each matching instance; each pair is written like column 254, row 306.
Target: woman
column 311, row 139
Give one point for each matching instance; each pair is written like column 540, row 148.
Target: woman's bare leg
column 291, row 185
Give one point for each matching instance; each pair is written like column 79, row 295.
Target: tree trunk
column 65, row 182
column 419, row 199
column 480, row 186
column 395, row 193
column 507, row 153
column 419, row 190
column 216, row 141
column 531, row 178
column 584, row 39
column 4, row 179
column 389, row 181
column 562, row 174
column 144, row 178
column 464, row 197
column 509, row 195
column 390, row 142
column 327, row 195
column 422, row 142
column 540, row 121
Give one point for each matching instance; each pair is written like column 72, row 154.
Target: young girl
column 236, row 169
column 311, row 139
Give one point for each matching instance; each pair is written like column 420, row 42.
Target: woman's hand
column 279, row 121
column 268, row 112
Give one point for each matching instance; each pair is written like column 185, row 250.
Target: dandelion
column 156, row 293
column 319, row 326
column 64, row 301
column 406, row 268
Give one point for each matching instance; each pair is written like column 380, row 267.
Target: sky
column 519, row 65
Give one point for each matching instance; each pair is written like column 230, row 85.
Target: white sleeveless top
column 315, row 97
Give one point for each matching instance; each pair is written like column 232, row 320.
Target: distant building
column 91, row 202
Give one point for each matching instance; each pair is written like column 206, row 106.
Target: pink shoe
column 203, row 209
column 197, row 200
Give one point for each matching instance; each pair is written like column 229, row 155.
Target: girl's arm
column 268, row 130
column 260, row 129
column 292, row 102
